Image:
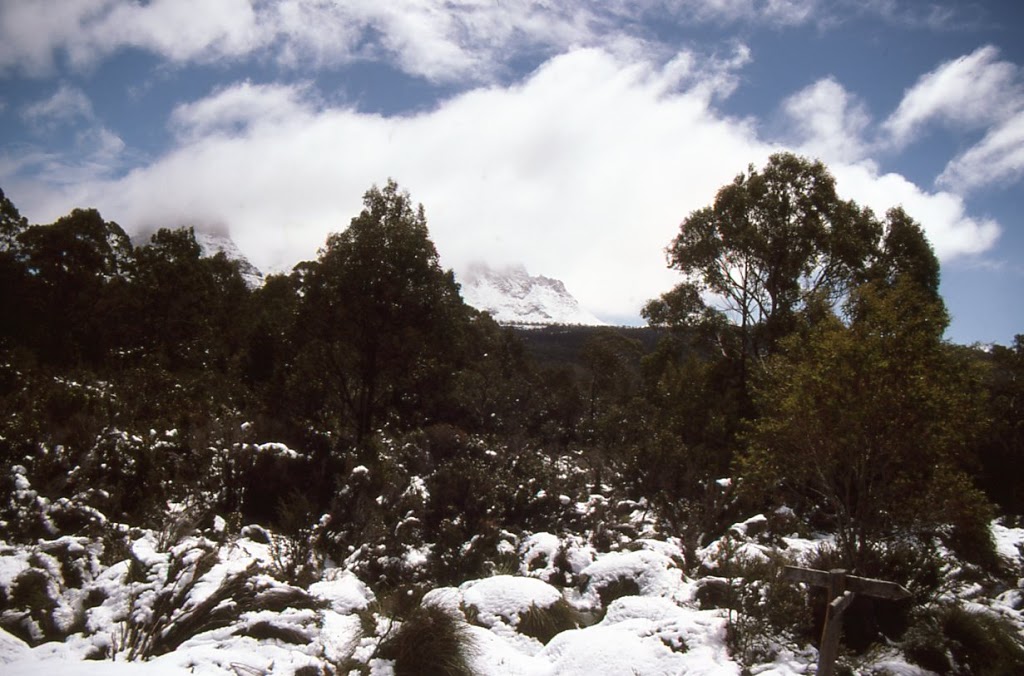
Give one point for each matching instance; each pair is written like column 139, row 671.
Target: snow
column 610, row 650
column 657, row 627
column 645, row 635
column 504, row 598
column 12, row 648
column 1009, row 541
column 654, row 573
column 513, row 296
column 538, row 553
column 217, row 240
column 277, row 449
column 343, row 591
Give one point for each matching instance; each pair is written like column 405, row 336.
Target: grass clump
column 430, row 641
column 545, row 623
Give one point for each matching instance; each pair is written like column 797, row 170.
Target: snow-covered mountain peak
column 218, row 240
column 214, row 240
column 513, row 296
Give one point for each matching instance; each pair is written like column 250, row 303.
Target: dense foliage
column 359, row 409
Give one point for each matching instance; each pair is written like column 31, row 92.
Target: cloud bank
column 582, row 171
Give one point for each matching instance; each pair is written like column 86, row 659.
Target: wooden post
column 841, row 590
column 839, row 600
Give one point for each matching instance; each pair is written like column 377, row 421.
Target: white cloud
column 997, row 158
column 179, row 30
column 774, row 12
column 927, row 14
column 828, row 122
column 582, row 172
column 101, row 144
column 972, row 91
column 943, row 215
column 976, row 92
column 438, row 41
column 98, row 151
column 232, row 110
column 32, row 30
column 434, row 40
column 66, row 105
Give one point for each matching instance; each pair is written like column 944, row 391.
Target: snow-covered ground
column 214, row 603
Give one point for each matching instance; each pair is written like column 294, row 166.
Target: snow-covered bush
column 45, row 589
column 176, row 594
column 442, row 507
column 652, row 569
column 764, row 611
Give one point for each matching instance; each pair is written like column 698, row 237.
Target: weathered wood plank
column 877, row 588
column 860, row 585
column 841, row 603
column 841, row 590
column 818, row 578
column 833, row 629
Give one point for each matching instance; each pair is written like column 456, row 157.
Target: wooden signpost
column 841, row 590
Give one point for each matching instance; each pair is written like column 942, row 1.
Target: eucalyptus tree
column 772, row 240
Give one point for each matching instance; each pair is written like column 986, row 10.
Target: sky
column 571, row 137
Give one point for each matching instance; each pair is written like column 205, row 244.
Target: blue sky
column 572, row 137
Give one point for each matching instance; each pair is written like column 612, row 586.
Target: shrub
column 764, row 609
column 33, row 593
column 952, row 640
column 43, row 601
column 430, row 641
column 616, row 589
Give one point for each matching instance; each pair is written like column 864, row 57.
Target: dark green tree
column 1001, row 448
column 385, row 320
column 13, row 274
column 76, row 269
column 773, row 239
column 612, row 361
column 12, row 224
column 189, row 309
column 905, row 254
column 871, row 423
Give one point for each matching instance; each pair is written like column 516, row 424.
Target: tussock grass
column 430, row 641
column 545, row 623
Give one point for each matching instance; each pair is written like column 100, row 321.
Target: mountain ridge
column 513, row 296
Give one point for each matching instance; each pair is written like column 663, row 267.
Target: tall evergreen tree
column 384, row 318
column 189, row 308
column 76, row 267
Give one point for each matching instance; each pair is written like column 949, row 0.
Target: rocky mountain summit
column 513, row 296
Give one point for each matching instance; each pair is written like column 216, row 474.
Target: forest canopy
column 360, row 410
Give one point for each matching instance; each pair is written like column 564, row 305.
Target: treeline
column 803, row 356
